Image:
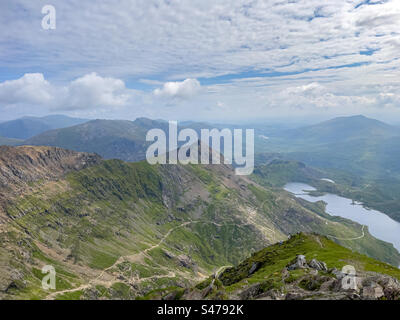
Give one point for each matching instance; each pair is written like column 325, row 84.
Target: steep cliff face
column 22, row 166
column 19, row 165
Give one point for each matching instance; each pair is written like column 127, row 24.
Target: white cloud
column 31, row 88
column 88, row 92
column 91, row 91
column 184, row 89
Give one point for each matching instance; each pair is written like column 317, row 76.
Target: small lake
column 379, row 224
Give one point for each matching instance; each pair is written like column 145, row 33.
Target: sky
column 213, row 60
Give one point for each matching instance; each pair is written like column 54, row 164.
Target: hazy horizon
column 292, row 121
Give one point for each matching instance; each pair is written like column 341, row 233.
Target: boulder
column 251, row 292
column 318, row 265
column 391, row 286
column 299, row 263
column 314, row 272
column 271, row 295
column 186, row 261
column 255, row 266
column 295, row 295
column 372, row 292
column 351, row 283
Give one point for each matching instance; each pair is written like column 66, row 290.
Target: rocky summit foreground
column 306, row 267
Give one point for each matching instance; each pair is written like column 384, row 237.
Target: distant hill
column 112, row 139
column 28, row 127
column 356, row 144
column 343, row 129
column 9, row 141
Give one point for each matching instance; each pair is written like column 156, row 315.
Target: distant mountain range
column 362, row 146
column 358, row 144
column 28, row 127
column 112, row 139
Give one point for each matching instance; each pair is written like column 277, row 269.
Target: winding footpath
column 121, row 259
column 350, row 239
column 53, row 295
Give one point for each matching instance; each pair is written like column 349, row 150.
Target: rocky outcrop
column 372, row 292
column 24, row 165
column 317, row 265
column 301, row 263
column 319, row 282
column 19, row 165
column 340, row 284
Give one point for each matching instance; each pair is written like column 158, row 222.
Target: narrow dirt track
column 350, row 239
column 52, row 295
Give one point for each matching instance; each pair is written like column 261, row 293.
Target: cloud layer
column 203, row 58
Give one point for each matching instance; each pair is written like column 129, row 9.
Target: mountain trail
column 349, row 239
column 121, row 259
column 109, row 283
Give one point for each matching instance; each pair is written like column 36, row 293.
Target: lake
column 379, row 224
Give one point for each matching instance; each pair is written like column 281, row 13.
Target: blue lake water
column 379, row 224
